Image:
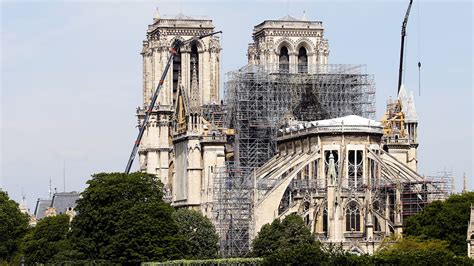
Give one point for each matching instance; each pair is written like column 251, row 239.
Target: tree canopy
column 281, row 234
column 417, row 251
column 287, row 242
column 47, row 239
column 123, row 218
column 447, row 221
column 13, row 226
column 199, row 232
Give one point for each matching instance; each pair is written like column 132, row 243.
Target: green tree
column 123, row 218
column 13, row 226
column 287, row 242
column 299, row 254
column 447, row 220
column 199, row 232
column 47, row 239
column 267, row 239
column 416, row 251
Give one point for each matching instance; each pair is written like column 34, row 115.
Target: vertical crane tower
column 402, row 48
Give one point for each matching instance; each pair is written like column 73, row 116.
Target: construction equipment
column 174, row 49
column 402, row 48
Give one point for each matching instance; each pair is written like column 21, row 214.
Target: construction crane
column 402, row 48
column 174, row 49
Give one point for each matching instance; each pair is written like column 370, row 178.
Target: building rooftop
column 352, row 120
column 290, row 22
column 41, row 206
column 345, row 124
column 62, row 201
column 289, row 18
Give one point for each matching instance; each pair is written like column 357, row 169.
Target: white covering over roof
column 346, row 121
column 410, row 114
column 408, row 104
column 350, row 120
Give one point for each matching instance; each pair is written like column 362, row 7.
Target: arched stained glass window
column 284, row 60
column 302, row 61
column 352, row 217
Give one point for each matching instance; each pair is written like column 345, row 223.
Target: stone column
column 194, row 171
column 293, row 61
column 398, row 209
column 369, row 226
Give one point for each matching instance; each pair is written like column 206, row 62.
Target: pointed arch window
column 325, row 220
column 376, row 211
column 355, row 168
column 352, row 217
column 194, row 63
column 284, row 60
column 302, row 60
column 176, row 73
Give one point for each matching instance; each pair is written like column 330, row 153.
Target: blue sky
column 71, row 76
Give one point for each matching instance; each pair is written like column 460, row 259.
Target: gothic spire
column 194, row 87
column 464, row 183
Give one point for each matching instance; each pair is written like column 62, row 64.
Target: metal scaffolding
column 233, row 197
column 214, row 114
column 443, row 182
column 261, row 99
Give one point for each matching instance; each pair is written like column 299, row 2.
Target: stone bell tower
column 289, row 45
column 198, row 60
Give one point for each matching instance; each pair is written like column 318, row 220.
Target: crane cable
column 419, row 60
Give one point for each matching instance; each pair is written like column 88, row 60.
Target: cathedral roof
column 41, row 206
column 62, row 201
column 288, row 22
column 350, row 120
column 182, row 16
column 350, row 123
column 289, row 18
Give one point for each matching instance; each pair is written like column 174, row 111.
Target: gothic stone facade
column 289, row 44
column 326, row 171
column 176, row 139
column 337, row 176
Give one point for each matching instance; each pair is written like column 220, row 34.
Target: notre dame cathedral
column 304, row 128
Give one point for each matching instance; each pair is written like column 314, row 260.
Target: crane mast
column 402, row 48
column 174, row 49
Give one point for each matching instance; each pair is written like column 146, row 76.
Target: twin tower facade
column 182, row 145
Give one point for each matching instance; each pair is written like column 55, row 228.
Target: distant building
column 63, row 202
column 41, row 206
column 60, row 203
column 23, row 206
